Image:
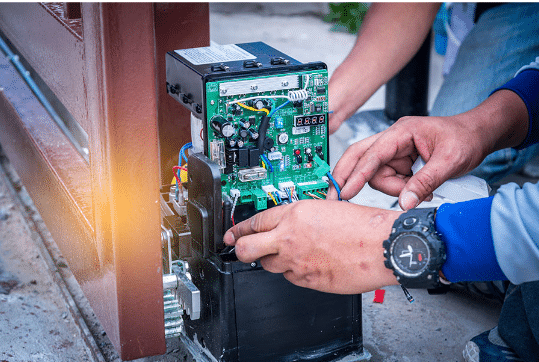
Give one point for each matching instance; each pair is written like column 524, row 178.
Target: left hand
column 330, row 246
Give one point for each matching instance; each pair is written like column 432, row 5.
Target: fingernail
column 229, row 235
column 409, row 200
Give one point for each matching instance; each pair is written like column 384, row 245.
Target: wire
column 278, row 197
column 253, row 109
column 234, row 208
column 312, row 195
column 176, row 168
column 297, row 95
column 335, row 184
column 276, row 109
column 251, row 98
column 266, row 161
column 273, row 198
column 178, row 183
column 182, row 153
column 322, row 193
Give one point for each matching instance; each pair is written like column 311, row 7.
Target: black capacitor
column 222, row 126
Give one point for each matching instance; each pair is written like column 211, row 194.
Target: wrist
column 502, row 120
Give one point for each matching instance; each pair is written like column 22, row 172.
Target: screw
column 254, row 87
column 253, row 264
column 284, row 84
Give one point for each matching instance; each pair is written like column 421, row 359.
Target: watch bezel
column 394, row 262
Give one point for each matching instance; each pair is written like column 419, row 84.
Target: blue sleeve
column 465, row 229
column 526, row 85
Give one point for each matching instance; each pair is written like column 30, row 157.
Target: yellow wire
column 273, row 198
column 313, row 196
column 253, row 109
column 322, row 193
column 263, row 164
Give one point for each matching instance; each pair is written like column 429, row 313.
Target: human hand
column 331, row 246
column 450, row 146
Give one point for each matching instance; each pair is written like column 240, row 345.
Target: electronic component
column 276, row 155
column 217, row 151
column 222, row 126
column 262, row 123
column 252, row 174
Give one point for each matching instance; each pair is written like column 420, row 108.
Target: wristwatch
column 414, row 251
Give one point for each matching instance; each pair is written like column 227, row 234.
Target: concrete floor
column 37, row 324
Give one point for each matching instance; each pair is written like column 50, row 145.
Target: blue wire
column 266, row 161
column 276, row 109
column 335, row 184
column 182, row 153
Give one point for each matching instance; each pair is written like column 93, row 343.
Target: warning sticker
column 215, row 54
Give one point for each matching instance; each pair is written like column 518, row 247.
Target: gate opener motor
column 260, row 137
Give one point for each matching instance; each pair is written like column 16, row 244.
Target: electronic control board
column 265, row 120
column 280, row 166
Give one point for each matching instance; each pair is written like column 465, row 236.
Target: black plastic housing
column 249, row 314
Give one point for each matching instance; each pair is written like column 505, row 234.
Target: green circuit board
column 290, row 163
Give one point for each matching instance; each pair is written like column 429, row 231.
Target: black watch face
column 410, row 254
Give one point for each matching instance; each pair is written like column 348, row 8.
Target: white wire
column 293, row 96
column 234, row 206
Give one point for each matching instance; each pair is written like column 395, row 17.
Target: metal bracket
column 187, row 293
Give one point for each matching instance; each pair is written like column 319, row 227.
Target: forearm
column 501, row 121
column 389, row 37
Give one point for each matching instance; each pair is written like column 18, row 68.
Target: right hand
column 450, row 146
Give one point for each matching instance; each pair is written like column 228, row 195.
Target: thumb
column 423, row 183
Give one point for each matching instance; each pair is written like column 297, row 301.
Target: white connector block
column 269, row 188
column 286, row 185
column 235, row 193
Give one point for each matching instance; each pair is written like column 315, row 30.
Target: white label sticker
column 215, row 54
column 300, row 130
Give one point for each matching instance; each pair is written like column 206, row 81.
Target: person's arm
column 331, row 246
column 389, row 37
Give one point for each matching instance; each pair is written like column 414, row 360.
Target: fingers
column 261, row 222
column 347, row 162
column 257, row 246
column 420, row 186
